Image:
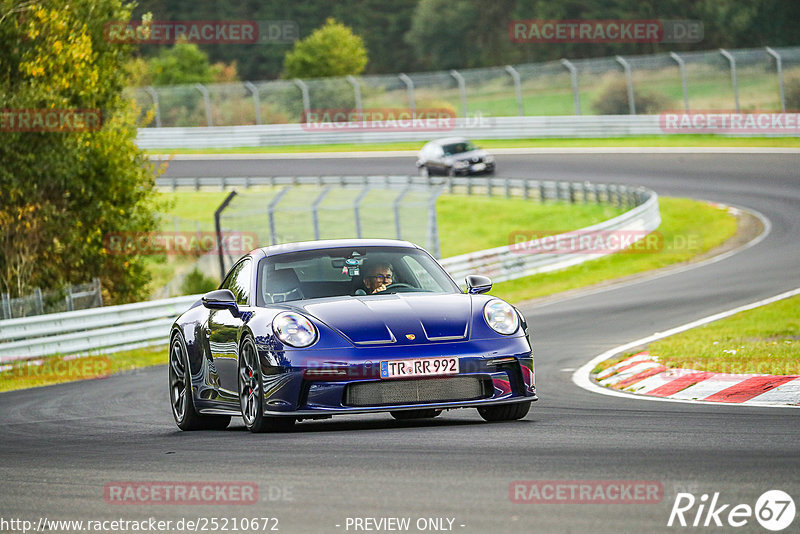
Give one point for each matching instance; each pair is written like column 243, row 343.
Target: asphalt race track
column 61, row 445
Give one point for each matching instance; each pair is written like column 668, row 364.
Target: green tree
column 63, row 192
column 183, row 63
column 467, row 33
column 332, row 50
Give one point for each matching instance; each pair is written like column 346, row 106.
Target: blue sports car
column 311, row 330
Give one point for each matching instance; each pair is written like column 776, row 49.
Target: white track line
column 581, row 377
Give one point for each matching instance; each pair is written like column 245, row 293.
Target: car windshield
column 458, row 148
column 355, row 271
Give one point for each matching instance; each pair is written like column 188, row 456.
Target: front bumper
column 476, row 168
column 319, row 385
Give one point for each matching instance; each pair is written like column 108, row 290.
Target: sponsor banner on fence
column 180, row 243
column 606, row 31
column 50, row 120
column 379, row 119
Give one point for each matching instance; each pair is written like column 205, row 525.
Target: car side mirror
column 478, row 284
column 221, row 299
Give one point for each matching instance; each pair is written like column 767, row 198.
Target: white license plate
column 419, row 367
column 479, row 167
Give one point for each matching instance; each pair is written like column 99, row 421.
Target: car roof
column 448, row 140
column 334, row 243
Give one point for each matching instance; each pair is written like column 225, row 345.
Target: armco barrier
column 567, row 126
column 476, row 128
column 107, row 329
column 115, row 328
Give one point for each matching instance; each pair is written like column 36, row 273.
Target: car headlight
column 501, row 317
column 294, row 329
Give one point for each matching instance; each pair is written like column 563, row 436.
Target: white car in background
column 453, row 156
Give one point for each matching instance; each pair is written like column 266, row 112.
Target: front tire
column 505, row 412
column 180, row 392
column 251, row 393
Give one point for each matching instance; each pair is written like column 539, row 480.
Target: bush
column 613, row 100
column 195, row 282
column 791, row 88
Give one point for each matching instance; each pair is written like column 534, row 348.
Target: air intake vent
column 396, row 392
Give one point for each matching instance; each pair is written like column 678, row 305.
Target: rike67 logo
column 774, row 510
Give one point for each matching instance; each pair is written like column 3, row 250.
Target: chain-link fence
column 722, row 80
column 291, row 213
column 72, row 297
column 272, row 210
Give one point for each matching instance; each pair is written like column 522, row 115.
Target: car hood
column 401, row 318
column 479, row 154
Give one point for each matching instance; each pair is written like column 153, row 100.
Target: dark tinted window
column 341, row 271
column 238, row 281
column 458, row 148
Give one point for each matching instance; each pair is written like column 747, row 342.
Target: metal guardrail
column 115, row 328
column 110, row 329
column 541, row 190
column 586, row 126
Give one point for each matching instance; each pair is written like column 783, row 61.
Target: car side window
column 238, row 281
column 424, row 279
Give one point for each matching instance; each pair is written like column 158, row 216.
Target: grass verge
column 56, row 369
column 763, row 340
column 640, row 141
column 689, row 228
column 470, row 223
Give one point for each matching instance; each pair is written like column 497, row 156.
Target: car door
column 223, row 330
column 437, row 165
